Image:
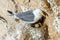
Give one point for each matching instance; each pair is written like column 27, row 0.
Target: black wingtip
column 10, row 12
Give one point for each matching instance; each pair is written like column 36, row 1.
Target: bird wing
column 26, row 16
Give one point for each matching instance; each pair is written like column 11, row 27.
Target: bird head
column 38, row 11
column 41, row 12
column 44, row 14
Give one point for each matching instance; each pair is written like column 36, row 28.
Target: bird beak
column 43, row 15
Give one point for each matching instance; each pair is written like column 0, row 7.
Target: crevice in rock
column 3, row 19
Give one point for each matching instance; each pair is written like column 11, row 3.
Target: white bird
column 30, row 16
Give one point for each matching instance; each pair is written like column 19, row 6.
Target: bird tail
column 12, row 14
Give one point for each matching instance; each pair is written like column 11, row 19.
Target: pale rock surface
column 18, row 30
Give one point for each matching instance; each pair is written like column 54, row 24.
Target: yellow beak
column 43, row 15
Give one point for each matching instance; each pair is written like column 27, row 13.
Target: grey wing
column 26, row 16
